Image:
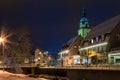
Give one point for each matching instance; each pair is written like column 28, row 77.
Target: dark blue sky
column 53, row 22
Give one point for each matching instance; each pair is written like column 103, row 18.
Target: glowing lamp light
column 93, row 46
column 1, row 39
column 92, row 41
column 40, row 52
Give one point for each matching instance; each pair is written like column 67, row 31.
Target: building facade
column 41, row 57
column 70, row 53
column 102, row 42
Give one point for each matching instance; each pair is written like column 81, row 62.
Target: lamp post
column 2, row 41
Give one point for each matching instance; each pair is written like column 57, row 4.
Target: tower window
column 83, row 22
column 86, row 25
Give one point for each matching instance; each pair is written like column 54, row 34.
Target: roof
column 105, row 27
column 71, row 41
column 83, row 19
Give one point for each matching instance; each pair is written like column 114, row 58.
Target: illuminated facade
column 70, row 52
column 102, row 40
column 40, row 57
column 98, row 45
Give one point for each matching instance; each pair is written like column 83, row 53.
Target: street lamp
column 2, row 42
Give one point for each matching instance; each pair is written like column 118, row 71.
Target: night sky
column 53, row 22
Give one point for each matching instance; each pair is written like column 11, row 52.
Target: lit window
column 91, row 40
column 75, row 46
column 96, row 39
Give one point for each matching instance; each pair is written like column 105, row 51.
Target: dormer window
column 92, row 41
column 97, row 40
column 118, row 36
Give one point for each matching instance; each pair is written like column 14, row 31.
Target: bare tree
column 20, row 47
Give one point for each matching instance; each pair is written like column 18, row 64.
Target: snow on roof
column 70, row 42
column 105, row 27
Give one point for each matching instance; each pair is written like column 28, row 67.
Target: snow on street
column 10, row 76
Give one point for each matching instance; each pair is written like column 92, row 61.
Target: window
column 97, row 40
column 83, row 22
column 107, row 38
column 100, row 49
column 100, row 38
column 97, row 49
column 92, row 41
column 118, row 36
column 103, row 37
column 86, row 25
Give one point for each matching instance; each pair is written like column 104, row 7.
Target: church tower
column 84, row 28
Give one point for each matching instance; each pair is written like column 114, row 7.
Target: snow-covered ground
column 10, row 76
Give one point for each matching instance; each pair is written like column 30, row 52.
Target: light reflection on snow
column 10, row 76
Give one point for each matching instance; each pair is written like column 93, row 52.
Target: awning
column 93, row 53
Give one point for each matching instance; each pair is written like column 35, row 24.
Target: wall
column 114, row 42
column 80, row 74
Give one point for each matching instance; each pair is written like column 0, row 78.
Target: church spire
column 83, row 13
column 84, row 28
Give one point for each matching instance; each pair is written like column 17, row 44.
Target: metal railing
column 88, row 67
column 91, row 67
